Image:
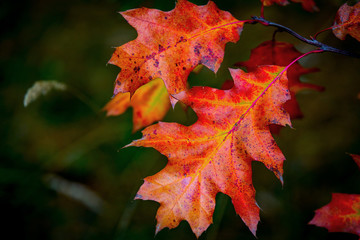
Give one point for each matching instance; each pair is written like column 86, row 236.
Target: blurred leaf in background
column 63, row 174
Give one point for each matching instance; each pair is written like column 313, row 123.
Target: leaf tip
column 258, row 206
column 158, row 228
column 138, row 196
column 281, row 179
column 129, row 145
column 253, row 231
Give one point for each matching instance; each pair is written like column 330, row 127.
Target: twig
column 311, row 41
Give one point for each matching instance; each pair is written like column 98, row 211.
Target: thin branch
column 274, row 34
column 311, row 41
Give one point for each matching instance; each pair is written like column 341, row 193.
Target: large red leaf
column 282, row 54
column 342, row 214
column 150, row 103
column 308, row 5
column 171, row 44
column 215, row 153
column 347, row 21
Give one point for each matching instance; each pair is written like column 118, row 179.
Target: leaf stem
column 329, row 28
column 311, row 41
column 321, row 31
column 262, row 10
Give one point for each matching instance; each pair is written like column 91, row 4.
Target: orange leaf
column 118, row 104
column 342, row 214
column 282, row 54
column 150, row 103
column 171, row 44
column 347, row 21
column 215, row 153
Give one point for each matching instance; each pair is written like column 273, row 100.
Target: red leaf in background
column 215, row 153
column 356, row 159
column 150, row 103
column 271, row 2
column 347, row 21
column 342, row 214
column 282, row 54
column 228, row 84
column 171, row 44
column 308, row 5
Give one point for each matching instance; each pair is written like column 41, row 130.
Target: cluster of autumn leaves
column 235, row 124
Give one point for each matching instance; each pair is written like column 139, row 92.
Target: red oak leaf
column 171, row 44
column 282, row 54
column 308, row 5
column 347, row 21
column 150, row 103
column 342, row 214
column 215, row 153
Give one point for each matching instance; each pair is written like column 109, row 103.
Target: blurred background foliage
column 63, row 172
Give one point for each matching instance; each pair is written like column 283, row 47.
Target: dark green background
column 65, row 136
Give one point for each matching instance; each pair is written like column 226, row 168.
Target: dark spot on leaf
column 150, row 56
column 161, row 48
column 182, row 39
column 211, row 53
column 197, row 49
column 136, row 69
column 156, row 64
